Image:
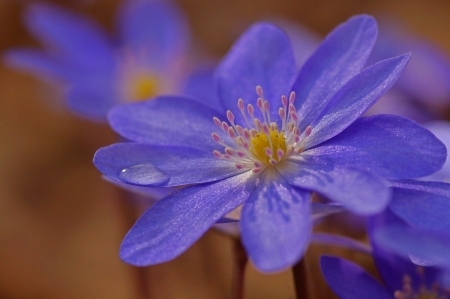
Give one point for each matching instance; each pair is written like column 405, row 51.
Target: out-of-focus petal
column 78, row 39
column 424, row 205
column 391, row 146
column 406, row 241
column 200, row 86
column 156, row 27
column 262, row 56
column 355, row 98
column 36, row 62
column 392, row 267
column 340, row 57
column 167, row 120
column 161, row 166
column 349, row 281
column 276, row 223
column 175, row 222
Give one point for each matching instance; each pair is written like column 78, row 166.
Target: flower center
column 423, row 292
column 143, row 86
column 261, row 143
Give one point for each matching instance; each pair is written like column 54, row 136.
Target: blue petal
column 349, row 281
column 340, row 57
column 81, row 41
column 424, row 205
column 157, row 27
column 262, row 56
column 276, row 223
column 358, row 191
column 355, row 98
column 407, row 241
column 167, row 120
column 386, row 145
column 442, row 131
column 36, row 62
column 200, row 86
column 392, row 267
column 92, row 96
column 162, row 166
column 175, row 222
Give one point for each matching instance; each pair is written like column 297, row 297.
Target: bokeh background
column 61, row 224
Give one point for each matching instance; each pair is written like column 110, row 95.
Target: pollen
column 275, row 141
column 261, row 143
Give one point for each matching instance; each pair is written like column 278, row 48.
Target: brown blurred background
column 61, row 225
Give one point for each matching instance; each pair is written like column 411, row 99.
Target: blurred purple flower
column 410, row 242
column 273, row 158
column 424, row 88
column 148, row 58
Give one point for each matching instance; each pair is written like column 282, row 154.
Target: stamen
column 259, row 91
column 262, row 143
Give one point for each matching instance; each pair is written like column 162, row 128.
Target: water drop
column 143, row 174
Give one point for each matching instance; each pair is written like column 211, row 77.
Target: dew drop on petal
column 143, row 174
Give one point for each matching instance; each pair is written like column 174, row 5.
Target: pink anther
column 225, row 126
column 284, row 101
column 239, row 166
column 250, row 110
column 294, row 116
column 229, row 151
column 259, row 91
column 231, row 132
column 280, row 153
column 260, row 104
column 240, row 154
column 217, row 122
column 230, row 117
column 308, row 131
column 217, row 154
column 265, row 129
column 292, row 97
column 241, row 104
column 216, row 137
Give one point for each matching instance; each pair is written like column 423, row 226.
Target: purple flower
column 410, row 243
column 350, row 281
column 148, row 57
column 269, row 156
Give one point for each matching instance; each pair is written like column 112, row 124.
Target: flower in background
column 148, row 58
column 409, row 241
column 269, row 156
column 424, row 89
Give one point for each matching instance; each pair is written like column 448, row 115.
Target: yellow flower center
column 143, row 87
column 261, row 142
